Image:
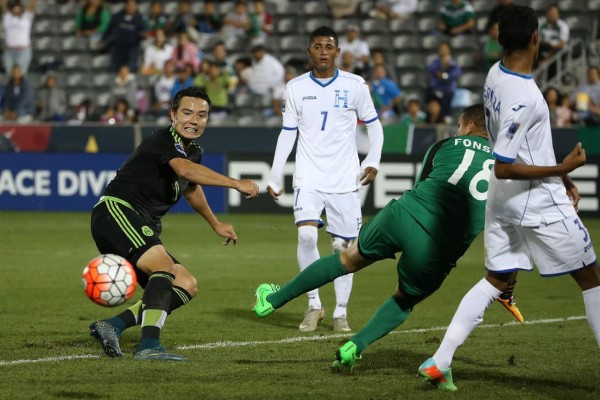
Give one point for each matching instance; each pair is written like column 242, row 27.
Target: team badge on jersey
column 512, row 129
column 179, row 148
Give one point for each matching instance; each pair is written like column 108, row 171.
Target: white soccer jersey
column 325, row 116
column 518, row 124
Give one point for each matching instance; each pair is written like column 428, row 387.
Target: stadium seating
column 409, row 44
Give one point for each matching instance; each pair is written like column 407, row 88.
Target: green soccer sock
column 391, row 314
column 317, row 274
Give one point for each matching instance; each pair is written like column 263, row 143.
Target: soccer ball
column 109, row 280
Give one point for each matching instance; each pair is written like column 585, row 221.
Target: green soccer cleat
column 108, row 337
column 440, row 378
column 263, row 307
column 346, row 358
column 157, row 353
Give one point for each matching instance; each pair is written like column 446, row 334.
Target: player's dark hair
column 191, row 91
column 476, row 114
column 516, row 24
column 323, row 31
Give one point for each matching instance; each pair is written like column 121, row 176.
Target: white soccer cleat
column 312, row 317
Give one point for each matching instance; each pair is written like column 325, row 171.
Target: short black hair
column 516, row 24
column 191, row 91
column 476, row 114
column 323, row 31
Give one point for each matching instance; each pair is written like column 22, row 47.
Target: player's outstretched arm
column 201, row 175
column 575, row 159
column 195, row 196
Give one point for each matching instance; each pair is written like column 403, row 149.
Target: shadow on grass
column 475, row 371
column 279, row 318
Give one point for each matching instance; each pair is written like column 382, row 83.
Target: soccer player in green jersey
column 432, row 225
column 127, row 222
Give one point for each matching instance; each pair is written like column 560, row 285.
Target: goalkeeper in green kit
column 432, row 225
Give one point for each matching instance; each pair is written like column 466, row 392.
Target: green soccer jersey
column 449, row 195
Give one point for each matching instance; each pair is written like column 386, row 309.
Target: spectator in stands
column 210, row 21
column 242, row 72
column 413, row 115
column 261, row 23
column 378, row 58
column 342, row 8
column 553, row 33
column 183, row 22
column 92, row 20
column 219, row 57
column 52, row 101
column 216, row 83
column 444, row 72
column 456, row 17
column 156, row 54
column 359, row 48
column 186, row 52
column 183, row 79
column 125, row 34
column 19, row 97
column 157, row 19
column 279, row 91
column 394, row 9
column 119, row 113
column 587, row 98
column 388, row 93
column 163, row 87
column 433, row 112
column 494, row 15
column 266, row 72
column 124, row 86
column 237, row 22
column 552, row 97
column 564, row 113
column 17, row 22
column 347, row 63
column 492, row 50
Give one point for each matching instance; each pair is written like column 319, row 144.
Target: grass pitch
column 46, row 353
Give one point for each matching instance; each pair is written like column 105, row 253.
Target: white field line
column 295, row 339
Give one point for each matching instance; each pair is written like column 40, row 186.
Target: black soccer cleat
column 107, row 336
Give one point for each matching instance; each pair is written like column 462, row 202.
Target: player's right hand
column 575, row 159
column 248, row 188
column 273, row 194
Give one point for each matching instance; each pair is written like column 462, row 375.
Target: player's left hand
column 226, row 231
column 368, row 176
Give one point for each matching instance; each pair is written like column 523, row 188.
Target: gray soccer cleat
column 312, row 316
column 157, row 353
column 107, row 336
column 341, row 325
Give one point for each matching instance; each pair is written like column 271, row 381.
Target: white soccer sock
column 591, row 299
column 343, row 287
column 308, row 252
column 467, row 317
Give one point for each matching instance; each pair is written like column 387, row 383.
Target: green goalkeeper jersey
column 449, row 195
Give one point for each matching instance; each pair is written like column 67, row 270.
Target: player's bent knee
column 156, row 259
column 307, row 235
column 340, row 244
column 186, row 280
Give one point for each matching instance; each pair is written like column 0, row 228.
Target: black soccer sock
column 156, row 302
column 128, row 318
column 179, row 297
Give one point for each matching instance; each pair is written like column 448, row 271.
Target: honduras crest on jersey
column 512, row 129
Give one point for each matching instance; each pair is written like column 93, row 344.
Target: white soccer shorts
column 342, row 211
column 556, row 249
